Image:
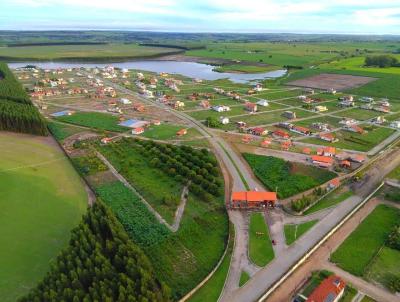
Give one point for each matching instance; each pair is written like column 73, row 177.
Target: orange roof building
column 253, row 199
column 307, row 150
column 331, row 289
column 322, row 161
column 181, row 132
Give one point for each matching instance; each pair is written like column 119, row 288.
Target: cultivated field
column 42, row 199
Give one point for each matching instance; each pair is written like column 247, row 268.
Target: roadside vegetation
column 260, row 246
column 288, row 178
column 330, row 200
column 295, row 231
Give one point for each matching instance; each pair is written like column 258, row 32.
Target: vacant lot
column 101, row 121
column 335, row 81
column 42, row 199
column 288, row 178
column 359, row 249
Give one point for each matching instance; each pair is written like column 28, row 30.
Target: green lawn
column 329, row 201
column 42, row 199
column 357, row 251
column 368, row 299
column 260, row 246
column 101, row 121
column 62, row 131
column 244, row 277
column 288, row 178
column 213, row 287
column 162, row 132
column 295, row 231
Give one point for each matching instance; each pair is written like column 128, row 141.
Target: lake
column 188, row 69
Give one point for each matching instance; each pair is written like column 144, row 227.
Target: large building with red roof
column 330, row 290
column 253, row 200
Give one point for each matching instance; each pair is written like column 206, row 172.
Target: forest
column 17, row 112
column 100, row 264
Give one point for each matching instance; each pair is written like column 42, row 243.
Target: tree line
column 382, row 61
column 100, row 263
column 17, row 112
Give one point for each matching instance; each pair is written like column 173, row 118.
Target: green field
column 42, row 199
column 295, row 231
column 83, row 52
column 167, row 132
column 260, row 246
column 96, row 120
column 244, row 277
column 330, row 200
column 358, row 250
column 61, row 131
column 288, row 178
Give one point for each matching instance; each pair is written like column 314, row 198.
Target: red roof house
column 281, row 134
column 181, row 132
column 249, row 106
column 137, row 130
column 266, row 142
column 253, row 199
column 331, row 289
column 322, row 161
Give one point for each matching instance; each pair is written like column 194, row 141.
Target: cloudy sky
column 298, row 16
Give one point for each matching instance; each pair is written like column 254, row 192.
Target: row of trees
column 17, row 113
column 382, row 61
column 100, row 264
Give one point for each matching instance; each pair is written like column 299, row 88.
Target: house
column 347, row 98
column 368, row 106
column 320, row 108
column 309, row 91
column 224, row 120
column 265, row 143
column 258, row 87
column 331, row 289
column 250, row 107
column 346, row 104
column 241, row 124
column 263, row 103
column 307, row 150
column 281, row 134
column 348, row 121
column 289, row 114
column 301, row 130
column 354, row 128
column 178, row 105
column 333, row 184
column 366, row 99
column 302, row 97
column 286, row 145
column 321, row 126
column 345, row 164
column 383, row 109
column 378, row 120
column 138, row 130
column 326, row 151
column 331, row 91
column 205, row 104
column 328, row 137
column 246, row 139
column 125, row 101
column 322, row 161
column 221, row 108
column 259, row 131
column 384, row 102
column 358, row 158
column 156, row 122
column 253, row 200
column 139, row 107
column 181, row 132
column 395, row 124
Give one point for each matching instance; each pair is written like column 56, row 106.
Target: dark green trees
column 16, row 110
column 99, row 264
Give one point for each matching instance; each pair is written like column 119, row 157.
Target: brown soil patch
column 332, row 81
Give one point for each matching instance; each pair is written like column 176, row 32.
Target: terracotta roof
column 307, row 150
column 331, row 150
column 254, row 196
column 335, row 182
column 328, row 290
column 322, row 159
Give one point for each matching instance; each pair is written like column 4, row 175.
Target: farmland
column 361, row 247
column 42, row 200
column 287, row 178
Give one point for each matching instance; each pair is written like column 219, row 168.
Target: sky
column 294, row 16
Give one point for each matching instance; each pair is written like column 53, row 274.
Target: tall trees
column 100, row 263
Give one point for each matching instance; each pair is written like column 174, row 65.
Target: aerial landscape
column 201, row 152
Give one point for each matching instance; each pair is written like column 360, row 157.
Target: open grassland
column 359, row 249
column 295, row 231
column 82, row 52
column 42, row 199
column 355, row 141
column 260, row 246
column 96, row 120
column 288, row 178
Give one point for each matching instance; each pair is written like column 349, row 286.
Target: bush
column 394, row 238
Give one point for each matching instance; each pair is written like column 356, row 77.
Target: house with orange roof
column 251, row 107
column 322, row 161
column 331, row 289
column 286, row 145
column 301, row 130
column 246, row 139
column 334, row 183
column 345, row 164
column 253, row 200
column 358, row 158
column 266, row 142
column 326, row 151
column 281, row 134
column 307, row 150
column 181, row 132
column 328, row 137
column 259, row 131
column 138, row 130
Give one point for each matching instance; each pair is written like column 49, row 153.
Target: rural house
column 331, row 289
column 253, row 200
column 251, row 107
column 322, row 161
column 289, row 115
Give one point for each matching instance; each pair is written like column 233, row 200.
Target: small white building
column 320, row 108
column 125, row 101
column 224, row 120
column 395, row 124
column 221, row 108
column 263, row 103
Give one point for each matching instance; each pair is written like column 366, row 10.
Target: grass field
column 328, row 201
column 62, row 131
column 162, row 132
column 295, row 231
column 42, row 199
column 288, row 178
column 101, row 121
column 358, row 250
column 87, row 52
column 244, row 277
column 260, row 246
column 213, row 287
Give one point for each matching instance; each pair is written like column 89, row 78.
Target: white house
column 221, row 108
column 366, row 99
column 320, row 109
column 395, row 124
column 224, row 120
column 263, row 103
column 125, row 101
